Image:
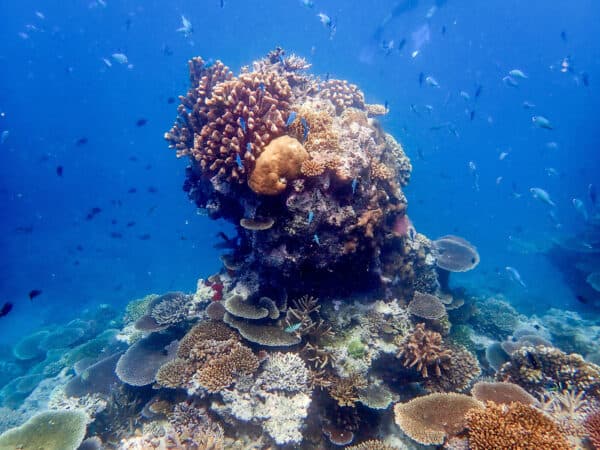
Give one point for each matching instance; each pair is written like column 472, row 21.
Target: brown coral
column 431, row 419
column 423, row 350
column 501, row 393
column 537, row 368
column 513, row 426
column 460, row 371
column 380, row 171
column 592, row 426
column 426, row 306
column 279, row 163
column 344, row 390
column 342, row 94
column 371, row 445
column 224, row 121
column 218, row 373
column 312, row 168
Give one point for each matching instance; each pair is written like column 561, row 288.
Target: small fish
column 499, row 180
column 6, row 308
column 59, row 171
column 517, row 73
column 4, row 136
column 563, row 35
column 401, row 44
column 421, row 78
column 428, row 108
column 121, row 58
column 248, row 147
column 430, row 81
column 515, row 275
column 222, row 3
column 186, row 27
column 171, row 100
column 541, row 122
column 291, row 119
column 130, row 224
column 465, row 95
column 541, row 195
column 116, row 235
column 585, row 79
column 324, row 18
column 307, row 3
column 443, row 30
column 132, row 190
column 316, row 239
column 145, row 237
column 152, row 190
column 141, row 122
column 354, row 185
column 311, row 216
column 580, row 208
column 239, row 162
column 261, row 86
column 243, row 124
column 81, row 141
column 40, row 15
column 386, row 106
column 293, row 327
column 551, row 172
column 472, row 115
column 502, row 156
column 34, row 293
column 107, row 62
column 478, row 91
column 510, row 81
column 582, row 299
column 528, row 105
column 593, row 194
column 306, row 129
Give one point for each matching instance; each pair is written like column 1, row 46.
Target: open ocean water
column 494, row 103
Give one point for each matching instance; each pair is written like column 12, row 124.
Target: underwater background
column 93, row 211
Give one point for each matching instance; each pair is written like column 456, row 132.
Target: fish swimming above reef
column 430, row 81
column 593, row 194
column 542, row 122
column 34, row 293
column 121, row 58
column 515, row 275
column 4, row 136
column 517, row 73
column 541, row 195
column 6, row 308
column 328, row 23
column 186, row 27
column 510, row 81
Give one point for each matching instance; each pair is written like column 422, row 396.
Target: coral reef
column 513, row 426
column 273, row 145
column 501, row 393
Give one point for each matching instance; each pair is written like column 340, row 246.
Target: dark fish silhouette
column 133, row 159
column 152, row 190
column 472, row 115
column 81, row 141
column 79, row 248
column 585, row 78
column 132, row 190
column 443, row 30
column 171, row 100
column 28, row 229
column 582, row 299
column 116, row 235
column 141, row 122
column 145, row 237
column 593, row 194
column 59, row 171
column 130, row 224
column 6, row 308
column 113, row 221
column 34, row 293
column 478, row 91
column 401, row 44
column 421, row 78
column 93, row 212
column 563, row 35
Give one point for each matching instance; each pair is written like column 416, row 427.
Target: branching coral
column 513, row 426
column 344, row 390
column 342, row 94
column 424, row 350
column 460, row 371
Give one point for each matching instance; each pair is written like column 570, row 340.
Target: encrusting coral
column 505, row 427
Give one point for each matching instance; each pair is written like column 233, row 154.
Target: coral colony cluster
column 332, row 323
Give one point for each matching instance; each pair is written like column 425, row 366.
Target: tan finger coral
column 279, row 163
column 431, row 419
column 513, row 426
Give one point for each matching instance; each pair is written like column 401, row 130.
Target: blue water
column 56, row 90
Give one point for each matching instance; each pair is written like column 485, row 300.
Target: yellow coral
column 279, row 163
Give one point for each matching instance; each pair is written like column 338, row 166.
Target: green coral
column 356, row 349
column 461, row 335
column 50, row 430
column 137, row 308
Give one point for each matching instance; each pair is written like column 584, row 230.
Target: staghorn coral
column 513, row 426
column 424, row 350
column 170, row 309
column 431, row 419
column 219, row 372
column 344, row 390
column 279, row 163
column 284, row 372
column 537, row 368
column 194, row 429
